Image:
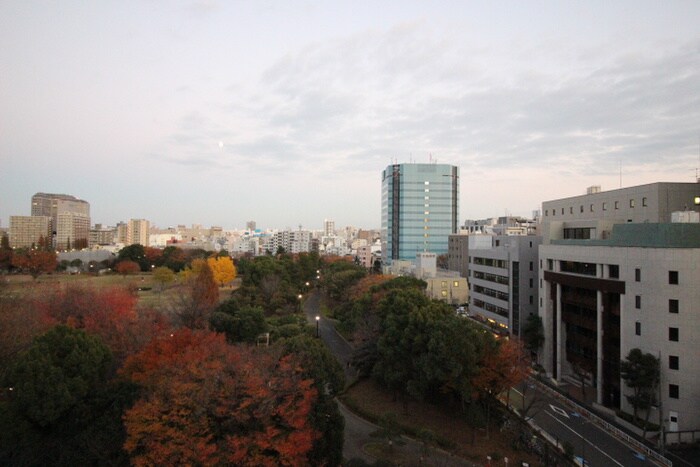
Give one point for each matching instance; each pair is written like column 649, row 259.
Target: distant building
column 328, row 228
column 616, row 274
column 250, row 226
column 28, row 231
column 448, row 287
column 71, row 228
column 419, row 209
column 138, row 232
column 364, row 256
column 101, row 236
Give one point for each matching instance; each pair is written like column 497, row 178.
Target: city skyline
column 286, row 113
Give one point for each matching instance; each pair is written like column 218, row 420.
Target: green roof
column 646, row 235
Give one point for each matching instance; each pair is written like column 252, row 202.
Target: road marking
column 559, row 411
column 584, row 439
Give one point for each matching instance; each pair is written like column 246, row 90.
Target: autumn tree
column 503, row 364
column 126, row 267
column 197, row 298
column 163, row 276
column 533, row 334
column 223, row 404
column 223, row 269
column 35, row 262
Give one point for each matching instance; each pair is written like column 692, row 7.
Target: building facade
column 29, row 231
column 503, row 272
column 419, row 209
column 616, row 274
column 138, row 232
column 72, row 231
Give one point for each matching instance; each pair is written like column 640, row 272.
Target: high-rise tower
column 419, row 209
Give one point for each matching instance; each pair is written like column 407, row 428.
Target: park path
column 358, row 431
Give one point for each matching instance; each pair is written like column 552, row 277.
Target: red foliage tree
column 198, row 298
column 210, row 403
column 35, row 262
column 127, row 267
column 109, row 313
column 153, row 255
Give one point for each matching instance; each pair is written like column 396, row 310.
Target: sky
column 286, row 112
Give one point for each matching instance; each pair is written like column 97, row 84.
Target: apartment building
column 28, row 231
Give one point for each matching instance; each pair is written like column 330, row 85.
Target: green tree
column 533, row 334
column 163, row 276
column 63, row 410
column 135, row 253
column 239, row 325
column 641, row 372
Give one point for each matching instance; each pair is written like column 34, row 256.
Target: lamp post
column 318, row 320
column 299, row 297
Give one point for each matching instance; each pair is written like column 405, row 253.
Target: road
column 564, row 424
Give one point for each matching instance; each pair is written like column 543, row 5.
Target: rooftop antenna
column 620, row 173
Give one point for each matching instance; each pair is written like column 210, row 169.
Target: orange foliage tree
column 504, row 364
column 208, row 403
column 125, row 267
column 34, row 262
column 223, row 269
column 109, row 313
column 198, row 298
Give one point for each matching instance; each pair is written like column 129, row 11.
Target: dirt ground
column 445, row 422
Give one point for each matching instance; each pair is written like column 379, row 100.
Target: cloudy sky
column 287, row 112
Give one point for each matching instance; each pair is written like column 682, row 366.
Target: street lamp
column 299, row 297
column 318, row 320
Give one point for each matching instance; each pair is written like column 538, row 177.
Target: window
column 591, row 207
column 530, row 283
column 617, row 205
column 673, row 334
column 531, row 299
column 673, row 306
column 581, row 208
column 444, row 284
column 638, row 301
column 554, row 212
column 631, row 203
column 426, row 183
column 605, row 206
column 571, row 210
column 532, row 265
column 530, row 244
column 444, row 293
column 673, row 277
column 638, row 328
column 673, row 391
column 562, row 211
column 644, row 201
column 550, row 264
column 673, row 362
column 455, row 284
column 614, row 271
column 637, row 275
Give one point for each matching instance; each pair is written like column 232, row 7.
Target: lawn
column 445, row 422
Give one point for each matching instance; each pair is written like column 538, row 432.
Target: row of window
column 490, row 292
column 591, row 207
column 673, row 304
column 490, row 277
column 490, row 307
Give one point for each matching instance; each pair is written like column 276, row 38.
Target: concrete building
column 28, row 231
column 101, row 236
column 121, row 234
column 138, row 232
column 419, row 209
column 364, row 256
column 616, row 274
column 503, row 272
column 458, row 253
column 448, row 287
column 328, row 228
column 72, row 231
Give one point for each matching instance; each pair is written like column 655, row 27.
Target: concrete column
column 599, row 347
column 560, row 339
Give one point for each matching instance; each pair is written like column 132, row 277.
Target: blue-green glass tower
column 419, row 209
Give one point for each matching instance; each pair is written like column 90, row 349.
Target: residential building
column 448, row 287
column 250, row 226
column 72, row 230
column 503, row 272
column 29, row 231
column 328, row 228
column 617, row 274
column 138, row 232
column 121, row 233
column 101, row 236
column 419, row 209
column 364, row 256
column 458, row 253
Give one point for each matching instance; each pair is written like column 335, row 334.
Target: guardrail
column 613, row 430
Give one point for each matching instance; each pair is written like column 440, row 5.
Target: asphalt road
column 595, row 445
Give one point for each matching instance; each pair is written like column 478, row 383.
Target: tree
column 135, row 253
column 163, row 276
column 533, row 334
column 641, row 373
column 63, row 409
column 239, row 325
column 223, row 269
column 127, row 267
column 502, row 366
column 198, row 297
column 35, row 262
column 221, row 404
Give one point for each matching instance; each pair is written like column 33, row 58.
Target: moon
column 221, row 144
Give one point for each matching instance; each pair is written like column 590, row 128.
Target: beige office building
column 138, row 232
column 27, row 231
